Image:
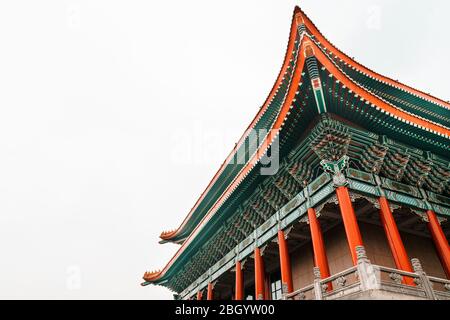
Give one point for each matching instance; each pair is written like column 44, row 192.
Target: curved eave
column 374, row 100
column 157, row 277
column 174, row 235
column 303, row 18
column 179, row 235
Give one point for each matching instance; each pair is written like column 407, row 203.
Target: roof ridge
column 166, row 236
column 382, row 78
column 407, row 117
column 372, row 92
column 278, row 124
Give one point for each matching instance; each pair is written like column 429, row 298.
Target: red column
column 393, row 235
column 199, row 295
column 239, row 282
column 395, row 241
column 320, row 254
column 285, row 263
column 259, row 275
column 350, row 223
column 210, row 294
column 440, row 241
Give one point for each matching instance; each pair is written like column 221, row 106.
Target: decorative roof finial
column 309, row 51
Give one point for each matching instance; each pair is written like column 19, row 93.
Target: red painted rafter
column 303, row 18
column 372, row 99
column 247, row 168
column 289, row 55
column 299, row 18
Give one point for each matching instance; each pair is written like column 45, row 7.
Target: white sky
column 98, row 98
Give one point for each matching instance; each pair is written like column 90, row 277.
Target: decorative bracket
column 441, row 220
column 243, row 262
column 354, row 196
column 423, row 216
column 304, row 219
column 286, row 234
column 424, row 195
column 336, row 168
column 394, row 207
column 318, row 212
column 319, row 209
column 333, row 199
column 213, row 283
column 262, row 249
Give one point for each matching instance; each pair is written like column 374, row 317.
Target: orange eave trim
column 171, row 234
column 278, row 124
column 299, row 17
column 303, row 18
column 364, row 94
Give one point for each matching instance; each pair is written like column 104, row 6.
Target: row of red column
column 395, row 242
column 354, row 239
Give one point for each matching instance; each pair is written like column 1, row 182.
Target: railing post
column 424, row 281
column 369, row 276
column 317, row 285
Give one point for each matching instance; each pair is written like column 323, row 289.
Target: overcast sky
column 114, row 116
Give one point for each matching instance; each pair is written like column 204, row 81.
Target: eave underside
column 379, row 143
column 409, row 101
column 261, row 197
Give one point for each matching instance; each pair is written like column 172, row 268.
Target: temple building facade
column 356, row 208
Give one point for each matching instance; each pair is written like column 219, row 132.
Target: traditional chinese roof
column 315, row 78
